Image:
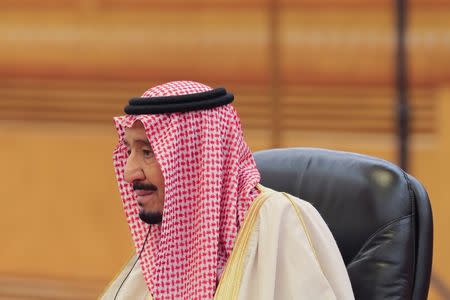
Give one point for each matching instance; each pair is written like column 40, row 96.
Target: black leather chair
column 379, row 215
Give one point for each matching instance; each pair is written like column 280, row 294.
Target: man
column 202, row 224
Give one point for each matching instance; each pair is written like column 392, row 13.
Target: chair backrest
column 379, row 215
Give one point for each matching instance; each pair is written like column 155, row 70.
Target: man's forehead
column 136, row 134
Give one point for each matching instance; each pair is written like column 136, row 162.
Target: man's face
column 144, row 173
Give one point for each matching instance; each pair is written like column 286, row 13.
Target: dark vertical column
column 274, row 68
column 402, row 84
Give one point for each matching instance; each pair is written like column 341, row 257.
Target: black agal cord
column 182, row 103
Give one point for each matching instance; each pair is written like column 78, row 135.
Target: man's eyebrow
column 140, row 141
column 145, row 142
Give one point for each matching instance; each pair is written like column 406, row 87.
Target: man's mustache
column 144, row 186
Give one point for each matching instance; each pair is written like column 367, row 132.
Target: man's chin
column 150, row 217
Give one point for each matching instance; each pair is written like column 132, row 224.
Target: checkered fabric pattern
column 210, row 182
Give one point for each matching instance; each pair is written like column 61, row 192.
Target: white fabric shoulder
column 291, row 254
column 133, row 287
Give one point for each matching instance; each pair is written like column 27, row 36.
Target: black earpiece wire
column 129, row 272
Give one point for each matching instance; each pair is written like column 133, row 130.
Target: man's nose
column 133, row 170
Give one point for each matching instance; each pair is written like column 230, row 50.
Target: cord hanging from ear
column 134, row 264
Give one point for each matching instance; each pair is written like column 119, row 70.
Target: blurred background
column 317, row 73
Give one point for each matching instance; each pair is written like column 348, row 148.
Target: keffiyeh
column 210, row 181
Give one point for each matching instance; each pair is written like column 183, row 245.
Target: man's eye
column 147, row 153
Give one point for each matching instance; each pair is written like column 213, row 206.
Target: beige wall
column 309, row 73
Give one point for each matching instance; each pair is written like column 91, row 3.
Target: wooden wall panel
column 362, row 3
column 318, row 45
column 440, row 203
column 96, row 5
column 322, row 47
column 338, row 46
column 26, row 288
column 365, row 109
column 64, row 217
column 98, row 101
column 333, row 3
column 428, row 43
column 183, row 4
column 301, row 108
column 154, row 45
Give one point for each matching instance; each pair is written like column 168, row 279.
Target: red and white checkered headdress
column 210, row 181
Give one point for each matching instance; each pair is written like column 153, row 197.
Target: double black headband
column 183, row 103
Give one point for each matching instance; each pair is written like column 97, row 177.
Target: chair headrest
column 356, row 195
